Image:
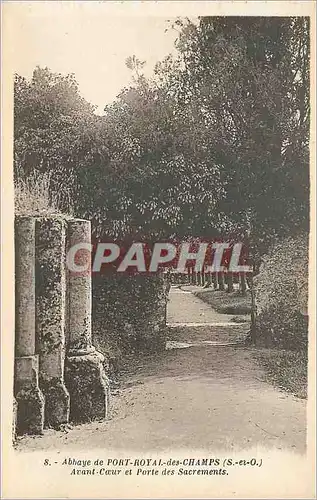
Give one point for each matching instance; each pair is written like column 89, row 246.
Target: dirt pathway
column 184, row 307
column 192, row 322
column 202, row 397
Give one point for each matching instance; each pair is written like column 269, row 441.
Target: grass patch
column 226, row 303
column 34, row 196
column 286, row 370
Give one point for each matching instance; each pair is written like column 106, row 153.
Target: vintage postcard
column 158, row 249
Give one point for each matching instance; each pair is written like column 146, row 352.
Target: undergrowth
column 285, row 369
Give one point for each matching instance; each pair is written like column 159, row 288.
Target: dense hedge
column 282, row 295
column 129, row 313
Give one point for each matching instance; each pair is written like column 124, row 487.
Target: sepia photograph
column 162, row 336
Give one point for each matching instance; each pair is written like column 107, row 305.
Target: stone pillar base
column 88, row 387
column 30, row 400
column 57, row 403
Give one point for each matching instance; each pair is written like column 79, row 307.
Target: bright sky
column 89, row 40
column 93, row 39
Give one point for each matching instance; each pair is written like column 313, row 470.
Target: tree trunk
column 229, row 282
column 203, row 277
column 194, row 277
column 215, row 280
column 221, row 281
column 208, row 279
column 188, row 275
column 253, row 313
column 242, row 284
column 199, row 278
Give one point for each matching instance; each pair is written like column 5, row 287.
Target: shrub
column 129, row 313
column 282, row 295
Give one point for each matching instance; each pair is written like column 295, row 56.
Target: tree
column 247, row 81
column 152, row 184
column 54, row 129
column 215, row 144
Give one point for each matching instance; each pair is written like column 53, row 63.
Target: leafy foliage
column 215, row 143
column 53, row 131
column 129, row 313
column 246, row 85
column 282, row 295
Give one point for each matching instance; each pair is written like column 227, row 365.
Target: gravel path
column 184, row 307
column 202, row 397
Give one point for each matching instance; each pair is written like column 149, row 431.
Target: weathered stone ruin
column 59, row 376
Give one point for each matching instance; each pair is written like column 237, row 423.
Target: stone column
column 14, row 419
column 84, row 373
column 50, row 251
column 30, row 400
